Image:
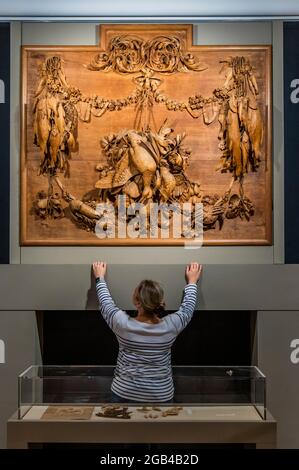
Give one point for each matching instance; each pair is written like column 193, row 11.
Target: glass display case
column 83, row 392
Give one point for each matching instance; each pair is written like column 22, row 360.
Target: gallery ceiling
column 134, row 10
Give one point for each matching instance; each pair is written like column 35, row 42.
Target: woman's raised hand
column 193, row 272
column 99, row 269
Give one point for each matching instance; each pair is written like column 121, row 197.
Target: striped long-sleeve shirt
column 143, row 372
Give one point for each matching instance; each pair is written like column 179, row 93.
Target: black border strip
column 291, row 142
column 4, row 143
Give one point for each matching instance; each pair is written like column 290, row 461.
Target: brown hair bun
column 151, row 296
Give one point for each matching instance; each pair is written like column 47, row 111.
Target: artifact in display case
column 83, row 393
column 67, row 412
column 146, row 139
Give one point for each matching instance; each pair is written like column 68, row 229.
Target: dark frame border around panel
column 291, row 140
column 5, row 140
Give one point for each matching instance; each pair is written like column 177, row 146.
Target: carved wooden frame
column 25, row 241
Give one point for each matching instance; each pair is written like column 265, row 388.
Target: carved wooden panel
column 152, row 118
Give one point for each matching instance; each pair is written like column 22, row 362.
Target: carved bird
column 168, row 183
column 143, row 161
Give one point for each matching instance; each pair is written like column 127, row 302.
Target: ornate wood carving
column 174, row 126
